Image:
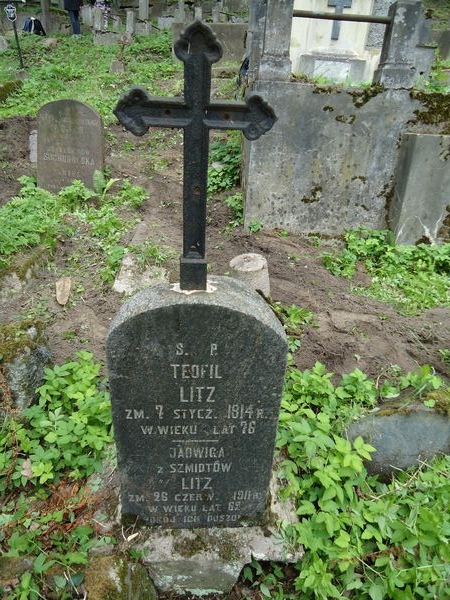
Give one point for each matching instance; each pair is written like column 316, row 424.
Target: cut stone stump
column 251, row 269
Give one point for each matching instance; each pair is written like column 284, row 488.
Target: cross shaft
column 196, row 115
column 339, row 5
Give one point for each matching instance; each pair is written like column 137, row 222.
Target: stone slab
column 420, row 209
column 230, row 35
column 69, row 144
column 403, row 439
column 194, row 410
column 328, row 163
column 337, row 68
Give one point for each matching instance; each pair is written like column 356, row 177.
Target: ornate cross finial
column 198, row 49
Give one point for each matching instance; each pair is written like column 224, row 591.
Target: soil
column 349, row 331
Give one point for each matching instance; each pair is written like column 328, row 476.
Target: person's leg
column 74, row 21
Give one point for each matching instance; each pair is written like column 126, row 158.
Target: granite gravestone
column 196, row 369
column 196, row 383
column 69, row 144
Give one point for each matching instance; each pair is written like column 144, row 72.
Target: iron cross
column 198, row 49
column 339, row 5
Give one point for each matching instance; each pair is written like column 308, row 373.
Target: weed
column 362, row 538
column 412, row 278
column 235, row 203
column 150, row 253
column 255, row 226
column 59, row 441
column 445, row 355
column 224, row 163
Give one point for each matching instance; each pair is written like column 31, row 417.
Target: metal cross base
column 198, row 49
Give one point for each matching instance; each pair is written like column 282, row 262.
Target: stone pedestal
column 209, row 561
column 275, row 63
column 335, row 67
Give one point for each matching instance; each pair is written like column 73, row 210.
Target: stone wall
column 329, row 163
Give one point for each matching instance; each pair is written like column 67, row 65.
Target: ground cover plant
column 52, row 77
column 411, row 277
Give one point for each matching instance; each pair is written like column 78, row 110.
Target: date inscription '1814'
column 196, row 385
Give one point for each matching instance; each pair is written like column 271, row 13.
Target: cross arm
column 137, row 111
column 254, row 117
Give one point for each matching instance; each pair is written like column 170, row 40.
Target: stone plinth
column 205, row 561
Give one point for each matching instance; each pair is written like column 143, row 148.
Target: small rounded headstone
column 252, row 269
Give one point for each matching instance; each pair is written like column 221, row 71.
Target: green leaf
column 265, row 590
column 376, row 592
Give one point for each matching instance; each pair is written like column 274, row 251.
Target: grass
column 51, row 76
column 412, row 278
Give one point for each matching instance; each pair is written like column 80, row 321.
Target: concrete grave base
column 209, row 560
column 332, row 66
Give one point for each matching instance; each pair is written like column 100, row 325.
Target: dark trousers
column 74, row 21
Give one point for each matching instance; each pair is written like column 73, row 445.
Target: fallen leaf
column 132, row 536
column 63, row 286
column 26, row 469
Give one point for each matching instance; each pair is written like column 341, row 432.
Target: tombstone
column 130, row 26
column 144, row 10
column 116, row 23
column 405, row 56
column 86, row 15
column 181, row 14
column 98, row 19
column 157, row 8
column 195, row 391
column 420, row 207
column 215, row 13
column 203, row 438
column 3, row 43
column 70, row 144
column 198, row 13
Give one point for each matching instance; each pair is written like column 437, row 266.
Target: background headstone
column 196, row 382
column 70, row 144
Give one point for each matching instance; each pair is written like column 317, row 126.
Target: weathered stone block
column 420, row 208
column 24, row 356
column 404, row 433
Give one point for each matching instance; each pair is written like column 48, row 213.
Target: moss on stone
column 24, row 263
column 116, row 578
column 15, row 337
column 8, row 88
column 437, row 110
column 441, row 398
column 361, row 97
column 223, row 544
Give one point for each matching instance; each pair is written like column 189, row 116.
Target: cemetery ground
column 375, row 315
